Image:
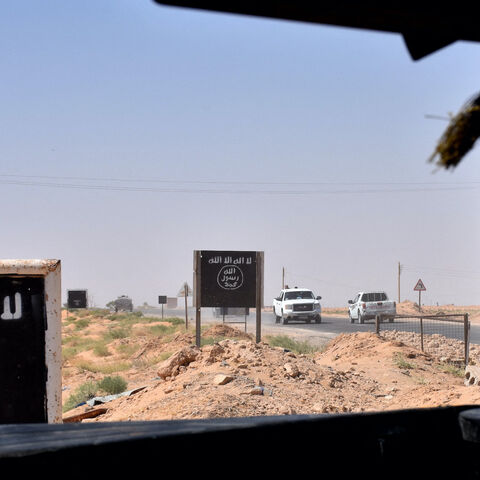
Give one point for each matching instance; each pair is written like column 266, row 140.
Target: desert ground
column 164, row 376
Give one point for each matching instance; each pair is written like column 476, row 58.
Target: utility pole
column 283, row 278
column 399, row 271
column 185, row 290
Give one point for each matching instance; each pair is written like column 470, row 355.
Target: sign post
column 197, row 294
column 77, row 299
column 162, row 300
column 420, row 287
column 259, row 295
column 228, row 279
column 185, row 291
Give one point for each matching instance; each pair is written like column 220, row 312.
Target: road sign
column 188, row 289
column 162, row 300
column 77, row 299
column 419, row 287
column 228, row 279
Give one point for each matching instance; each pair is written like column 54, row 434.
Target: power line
column 236, row 182
column 221, row 186
column 316, row 279
column 444, row 272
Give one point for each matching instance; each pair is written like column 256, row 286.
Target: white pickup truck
column 297, row 304
column 367, row 305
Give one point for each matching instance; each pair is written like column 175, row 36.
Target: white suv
column 297, row 304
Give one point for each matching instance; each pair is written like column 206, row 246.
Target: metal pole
column 185, row 291
column 398, row 282
column 259, row 295
column 198, row 299
column 466, row 336
column 421, row 332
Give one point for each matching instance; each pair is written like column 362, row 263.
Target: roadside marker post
column 162, row 300
column 420, row 287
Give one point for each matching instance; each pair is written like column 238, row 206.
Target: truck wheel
column 318, row 319
column 350, row 315
column 360, row 318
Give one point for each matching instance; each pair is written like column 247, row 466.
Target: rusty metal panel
column 30, row 341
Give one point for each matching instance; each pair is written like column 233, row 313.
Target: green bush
column 82, row 394
column 117, row 333
column 88, row 390
column 161, row 330
column 112, row 385
column 400, row 362
column 82, row 323
column 101, row 350
column 175, row 320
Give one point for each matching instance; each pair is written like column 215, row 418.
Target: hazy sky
column 133, row 134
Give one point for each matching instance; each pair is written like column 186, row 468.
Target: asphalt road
column 315, row 333
column 332, row 326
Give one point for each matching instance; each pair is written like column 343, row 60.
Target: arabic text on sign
column 228, row 260
column 230, row 277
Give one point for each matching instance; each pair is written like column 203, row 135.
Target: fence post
column 466, row 337
column 377, row 324
column 421, row 332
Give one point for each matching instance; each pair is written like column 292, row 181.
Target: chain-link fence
column 442, row 335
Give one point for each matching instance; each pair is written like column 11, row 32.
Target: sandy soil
column 238, row 377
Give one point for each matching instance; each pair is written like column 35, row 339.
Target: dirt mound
column 408, row 307
column 226, row 332
column 238, row 377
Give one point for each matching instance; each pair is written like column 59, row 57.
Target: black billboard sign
column 162, row 299
column 228, row 278
column 77, row 299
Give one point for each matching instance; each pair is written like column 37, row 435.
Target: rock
column 288, row 411
column 215, row 354
column 291, row 370
column 313, row 377
column 182, row 358
column 221, row 379
column 472, row 375
column 256, row 391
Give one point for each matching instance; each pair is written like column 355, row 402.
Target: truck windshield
column 374, row 297
column 298, row 295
